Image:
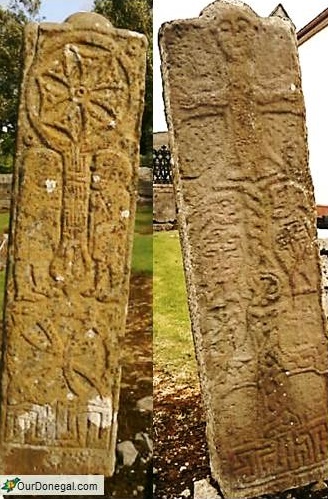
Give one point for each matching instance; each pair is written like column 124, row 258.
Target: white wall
column 314, row 67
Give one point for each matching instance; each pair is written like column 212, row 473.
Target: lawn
column 173, row 344
column 4, row 222
column 142, row 259
column 144, row 219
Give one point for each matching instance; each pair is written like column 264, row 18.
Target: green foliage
column 135, row 15
column 27, row 8
column 11, row 26
column 12, row 21
column 130, row 14
column 173, row 344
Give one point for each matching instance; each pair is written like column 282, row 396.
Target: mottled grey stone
column 203, row 490
column 247, row 221
column 128, row 452
column 145, row 404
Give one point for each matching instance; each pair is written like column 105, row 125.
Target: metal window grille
column 162, row 173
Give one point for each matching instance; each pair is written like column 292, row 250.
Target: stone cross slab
column 247, row 222
column 70, row 247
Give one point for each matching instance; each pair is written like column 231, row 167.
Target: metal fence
column 162, row 173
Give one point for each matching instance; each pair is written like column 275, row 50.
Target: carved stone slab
column 247, row 221
column 71, row 242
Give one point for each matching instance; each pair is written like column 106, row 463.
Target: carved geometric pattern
column 70, row 251
column 247, row 222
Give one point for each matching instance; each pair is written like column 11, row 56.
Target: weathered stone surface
column 5, row 191
column 145, row 186
column 203, row 490
column 146, row 440
column 164, row 208
column 145, row 404
column 128, row 452
column 73, row 217
column 247, row 221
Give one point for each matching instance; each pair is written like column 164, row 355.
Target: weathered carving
column 247, row 223
column 71, row 244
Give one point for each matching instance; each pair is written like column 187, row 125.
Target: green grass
column 142, row 256
column 173, row 344
column 144, row 220
column 4, row 222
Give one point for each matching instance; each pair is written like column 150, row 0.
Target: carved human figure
column 110, row 172
column 236, row 36
column 77, row 99
column 70, row 250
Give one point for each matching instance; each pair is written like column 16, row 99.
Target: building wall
column 315, row 83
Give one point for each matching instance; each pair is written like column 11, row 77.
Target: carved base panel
column 247, row 222
column 62, row 437
column 70, row 246
column 298, row 456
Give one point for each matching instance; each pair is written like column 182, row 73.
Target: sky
column 59, row 10
column 314, row 71
column 300, row 11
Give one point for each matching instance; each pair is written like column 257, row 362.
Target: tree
column 12, row 22
column 28, row 8
column 135, row 15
